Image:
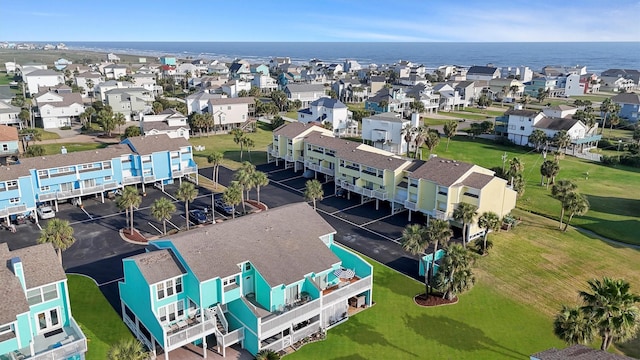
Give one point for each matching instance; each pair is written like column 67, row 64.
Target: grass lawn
column 224, row 144
column 615, row 134
column 593, row 98
column 491, row 113
column 433, row 122
column 100, row 323
column 52, row 149
column 46, row 135
column 468, row 116
column 612, row 191
column 5, row 79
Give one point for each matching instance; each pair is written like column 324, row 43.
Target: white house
column 199, row 102
column 42, row 78
column 275, row 62
column 147, row 81
column 230, row 113
column 330, row 111
column 483, row 73
column 306, row 93
column 521, row 123
column 169, row 122
column 82, row 79
column 573, row 86
column 102, row 88
column 560, row 111
column 58, row 109
column 111, row 57
column 450, row 98
column 384, row 131
column 233, row 87
column 115, row 71
column 218, row 68
column 265, row 83
column 9, row 114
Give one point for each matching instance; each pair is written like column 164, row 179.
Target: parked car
column 45, row 212
column 221, row 206
column 197, row 216
column 342, row 193
column 18, row 219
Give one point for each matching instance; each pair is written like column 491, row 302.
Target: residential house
column 10, row 67
column 61, row 63
column 351, row 66
column 201, row 66
column 412, row 80
column 276, row 62
column 617, row 83
column 377, row 83
column 82, row 79
column 148, row 82
column 450, row 98
column 483, row 73
column 129, row 102
column 385, row 131
column 233, row 87
column 199, row 102
column 425, row 94
column 168, row 71
column 111, row 57
column 350, row 90
column 590, row 83
column 434, row 187
column 170, row 122
column 629, row 106
column 231, row 113
column 36, row 319
column 330, row 111
column 168, row 60
column 259, row 69
column 102, row 88
column 306, row 93
column 282, row 280
column 218, row 68
column 548, row 84
column 561, row 70
column 631, row 74
column 8, row 143
column 560, row 111
column 501, row 88
column 41, row 78
column 239, row 69
column 521, row 73
column 388, row 100
column 265, row 83
column 141, row 160
column 577, row 352
column 115, row 71
column 469, row 91
column 313, row 76
column 9, row 114
column 187, row 70
column 6, row 94
column 57, row 108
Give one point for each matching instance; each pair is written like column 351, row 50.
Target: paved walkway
column 611, row 241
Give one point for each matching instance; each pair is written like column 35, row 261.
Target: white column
column 56, row 204
column 204, row 347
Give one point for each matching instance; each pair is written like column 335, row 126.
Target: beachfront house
column 388, row 100
column 485, row 73
column 199, row 102
column 281, row 280
column 265, row 83
column 36, row 320
column 233, row 87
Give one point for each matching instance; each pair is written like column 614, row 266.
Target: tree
column 455, row 275
column 259, row 179
column 542, row 94
column 279, row 98
column 420, row 133
column 87, row 115
column 313, row 191
column 561, row 139
column 90, row 85
column 450, row 128
column 489, row 221
column 549, row 170
column 243, row 93
column 606, row 107
column 277, row 122
column 267, row 355
column 484, row 100
column 244, row 177
column 383, row 105
column 238, row 136
column 248, row 144
column 187, row 193
column 614, row 120
column 106, row 120
column 538, row 138
column 560, row 191
column 636, row 134
column 516, row 167
column 438, row 232
column 574, row 204
column 24, row 117
column 162, row 209
column 131, row 131
column 34, row 151
column 254, row 91
column 332, row 94
column 414, row 240
column 157, row 107
column 233, row 196
column 525, row 100
column 613, row 308
column 573, row 326
column 28, row 135
column 407, row 133
column 129, row 199
column 127, row 349
column 514, row 90
column 417, row 106
column 215, row 159
column 432, row 140
column 465, row 213
column 58, row 233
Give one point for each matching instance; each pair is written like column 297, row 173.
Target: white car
column 46, row 212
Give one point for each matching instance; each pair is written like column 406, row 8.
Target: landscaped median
column 100, row 323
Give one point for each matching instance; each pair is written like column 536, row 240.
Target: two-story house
column 41, row 78
column 233, row 87
column 84, row 79
column 115, row 71
column 36, row 320
column 483, row 73
column 9, row 114
column 265, row 83
column 57, row 108
column 129, row 102
column 230, row 113
column 8, row 143
column 388, row 100
column 306, row 93
column 288, row 144
column 629, row 106
column 282, row 279
column 199, row 102
column 330, row 111
column 170, row 122
column 384, row 131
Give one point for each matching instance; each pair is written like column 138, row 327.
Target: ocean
column 597, row 56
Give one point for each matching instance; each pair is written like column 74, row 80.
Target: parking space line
column 285, row 186
column 348, row 208
column 153, row 226
column 382, row 218
column 110, row 282
column 356, row 225
column 172, row 224
column 275, row 171
column 85, row 211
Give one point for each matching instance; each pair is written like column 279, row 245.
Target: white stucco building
column 330, row 111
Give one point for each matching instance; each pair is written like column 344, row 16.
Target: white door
column 247, row 285
column 48, row 320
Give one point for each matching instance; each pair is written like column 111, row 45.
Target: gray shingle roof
column 67, row 100
column 231, row 101
column 146, row 145
column 441, row 171
column 13, row 172
column 293, row 129
column 12, row 298
column 301, row 88
column 282, row 244
column 388, row 116
column 527, row 113
column 553, row 123
column 44, row 73
column 40, row 265
column 8, row 108
column 626, row 98
column 80, row 157
column 329, row 103
column 482, row 70
column 158, row 265
column 477, row 180
column 160, row 125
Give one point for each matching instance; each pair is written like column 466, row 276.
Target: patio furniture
column 182, row 324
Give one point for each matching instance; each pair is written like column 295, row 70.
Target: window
column 12, row 185
column 5, row 147
column 41, row 294
column 160, row 289
column 178, row 285
column 108, row 178
column 6, row 329
column 169, row 288
column 521, row 127
column 228, row 281
column 43, row 173
column 48, row 320
column 45, row 188
column 14, row 200
column 247, row 266
column 471, row 195
column 86, row 166
column 106, row 164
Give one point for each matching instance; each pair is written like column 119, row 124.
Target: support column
column 102, row 197
column 377, row 203
column 143, row 189
column 409, row 216
column 55, row 203
column 204, row 347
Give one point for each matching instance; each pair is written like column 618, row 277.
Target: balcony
column 71, row 341
column 289, row 158
column 346, row 289
column 149, row 178
column 189, row 330
column 382, row 195
column 439, row 214
column 69, row 193
column 13, row 210
column 297, row 314
column 132, row 180
column 411, row 205
column 183, row 172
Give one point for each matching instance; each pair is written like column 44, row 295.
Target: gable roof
column 68, row 99
column 477, row 180
column 562, row 107
column 158, row 265
column 8, row 108
column 146, row 145
column 80, row 157
column 442, row 171
column 553, row 123
column 12, row 298
column 627, row 98
column 482, row 70
column 328, row 102
column 231, row 101
column 283, row 244
column 293, row 129
column 516, row 112
column 8, row 133
column 387, row 116
column 298, row 88
column 40, row 265
column 44, row 73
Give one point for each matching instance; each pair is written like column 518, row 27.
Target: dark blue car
column 197, row 217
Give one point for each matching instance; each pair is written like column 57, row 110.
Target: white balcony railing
column 411, row 205
column 132, row 180
column 305, row 331
column 204, row 325
column 294, row 315
column 275, row 346
column 66, row 350
column 289, row 158
column 233, row 337
column 150, row 178
column 348, row 291
column 382, row 195
column 327, row 171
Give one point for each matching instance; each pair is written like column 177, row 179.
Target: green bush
column 610, row 160
column 65, row 128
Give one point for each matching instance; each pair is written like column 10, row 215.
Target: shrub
column 630, row 160
column 65, row 128
column 610, row 160
column 606, row 144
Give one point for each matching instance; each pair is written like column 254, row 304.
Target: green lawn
column 100, row 323
column 491, row 113
column 224, row 144
column 593, row 98
column 612, row 192
column 5, row 79
column 615, row 134
column 46, row 135
column 468, row 116
column 52, row 149
column 434, row 122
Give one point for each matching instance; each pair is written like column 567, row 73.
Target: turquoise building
column 264, row 281
column 35, row 315
column 143, row 160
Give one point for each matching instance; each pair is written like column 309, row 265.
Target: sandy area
column 49, row 56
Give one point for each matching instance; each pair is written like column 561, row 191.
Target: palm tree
column 127, row 349
column 248, row 143
column 560, row 191
column 119, row 120
column 238, row 136
column 614, row 120
column 420, row 134
column 233, row 196
column 129, row 199
column 162, row 209
column 575, row 204
column 606, row 107
column 488, row 221
column 526, row 99
column 407, row 135
column 187, row 193
column 90, row 85
column 59, row 233
column 465, row 213
column 516, row 167
column 549, row 170
column 573, row 326
column 562, row 139
column 538, row 138
column 455, row 275
column 438, row 232
column 267, row 355
column 417, row 106
column 415, row 240
column 613, row 308
column 259, row 179
column 514, row 89
column 215, row 159
column 244, row 177
column 313, row 191
column 432, row 140
column 450, row 128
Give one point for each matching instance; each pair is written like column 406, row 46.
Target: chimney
column 15, row 265
column 415, row 120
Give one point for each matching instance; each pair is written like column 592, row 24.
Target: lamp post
column 619, row 144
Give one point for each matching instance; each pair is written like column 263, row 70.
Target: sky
column 321, row 20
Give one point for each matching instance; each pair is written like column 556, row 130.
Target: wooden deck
column 339, row 285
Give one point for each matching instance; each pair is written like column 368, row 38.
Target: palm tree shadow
column 458, row 335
